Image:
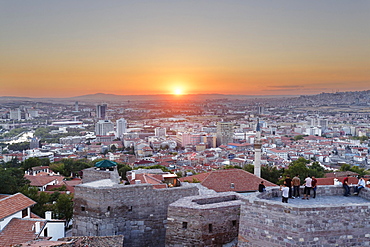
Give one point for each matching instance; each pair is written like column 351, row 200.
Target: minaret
column 257, row 151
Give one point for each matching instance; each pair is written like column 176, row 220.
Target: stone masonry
column 264, row 222
column 203, row 220
column 94, row 174
column 138, row 212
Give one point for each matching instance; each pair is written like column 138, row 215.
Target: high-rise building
column 158, row 131
column 102, row 127
column 225, row 133
column 76, row 106
column 35, row 143
column 121, row 127
column 261, row 110
column 15, row 114
column 101, row 111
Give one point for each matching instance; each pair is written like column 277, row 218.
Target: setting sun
column 177, row 91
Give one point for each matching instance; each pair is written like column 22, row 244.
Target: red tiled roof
column 14, row 203
column 221, row 180
column 199, row 177
column 39, row 181
column 19, row 231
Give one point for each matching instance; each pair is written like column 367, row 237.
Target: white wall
column 6, row 220
column 55, row 230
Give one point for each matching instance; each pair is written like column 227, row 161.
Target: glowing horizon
column 68, row 48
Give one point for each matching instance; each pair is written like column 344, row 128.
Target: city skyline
column 66, row 49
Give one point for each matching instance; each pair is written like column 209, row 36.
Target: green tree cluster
column 269, row 173
column 19, row 146
column 347, row 167
column 12, row 180
column 70, row 167
column 61, row 204
column 34, row 161
column 300, row 167
column 14, row 132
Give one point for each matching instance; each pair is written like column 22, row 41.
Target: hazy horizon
column 66, row 48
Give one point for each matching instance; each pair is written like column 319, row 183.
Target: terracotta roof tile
column 222, row 180
column 13, row 204
column 39, row 181
column 19, row 231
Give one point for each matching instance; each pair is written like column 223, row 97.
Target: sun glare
column 177, row 91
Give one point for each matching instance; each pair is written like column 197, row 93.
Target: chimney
column 48, row 215
column 37, row 226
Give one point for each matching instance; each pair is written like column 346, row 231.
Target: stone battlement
column 268, row 222
column 203, row 220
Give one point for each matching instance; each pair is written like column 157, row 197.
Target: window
column 108, row 209
column 184, row 225
column 233, row 222
column 232, row 185
column 24, row 212
column 83, row 208
column 210, row 228
column 45, row 232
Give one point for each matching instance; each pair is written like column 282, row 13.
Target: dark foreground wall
column 138, row 212
column 203, row 220
column 271, row 223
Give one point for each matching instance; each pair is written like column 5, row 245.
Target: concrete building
column 102, row 127
column 161, row 132
column 101, row 111
column 76, row 106
column 121, row 127
column 15, row 114
column 225, row 133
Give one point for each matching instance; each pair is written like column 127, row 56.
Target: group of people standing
column 291, row 187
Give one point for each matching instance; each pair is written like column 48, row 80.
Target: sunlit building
column 225, row 133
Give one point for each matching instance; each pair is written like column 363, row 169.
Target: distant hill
column 102, row 97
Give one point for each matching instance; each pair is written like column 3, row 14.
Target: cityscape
column 171, row 142
column 184, row 123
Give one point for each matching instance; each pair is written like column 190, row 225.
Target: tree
column 113, row 148
column 30, row 162
column 41, row 198
column 64, row 207
column 70, row 167
column 12, row 180
column 249, row 168
column 299, row 137
column 345, row 167
column 316, row 170
column 123, row 169
column 271, row 174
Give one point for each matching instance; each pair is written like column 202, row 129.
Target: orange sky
column 64, row 49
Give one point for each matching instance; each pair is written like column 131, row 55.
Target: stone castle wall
column 271, row 223
column 138, row 212
column 203, row 220
column 94, row 174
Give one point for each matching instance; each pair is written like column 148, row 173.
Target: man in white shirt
column 360, row 185
column 285, row 193
column 307, row 187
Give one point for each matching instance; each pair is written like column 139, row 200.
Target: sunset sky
column 69, row 48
